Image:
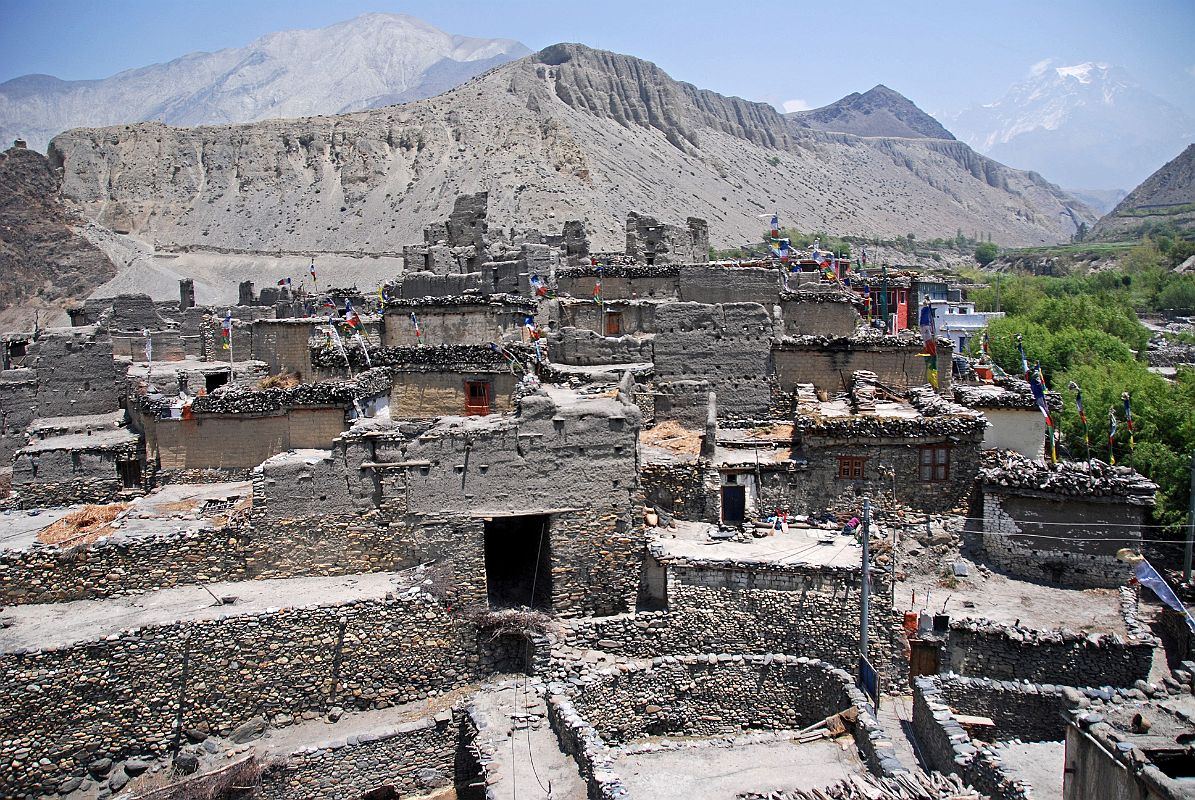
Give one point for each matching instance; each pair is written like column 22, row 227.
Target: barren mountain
column 373, row 60
column 877, row 112
column 569, row 133
column 1166, row 196
column 43, row 262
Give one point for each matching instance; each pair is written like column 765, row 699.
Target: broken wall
column 75, row 373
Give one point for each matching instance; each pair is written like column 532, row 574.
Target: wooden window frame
column 852, row 468
column 933, row 463
column 475, row 409
column 612, row 323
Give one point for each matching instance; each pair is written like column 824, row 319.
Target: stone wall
column 947, row 747
column 712, row 695
column 730, row 607
column 1021, row 535
column 622, row 282
column 414, row 757
column 1063, row 657
column 817, row 487
column 677, row 488
column 120, row 697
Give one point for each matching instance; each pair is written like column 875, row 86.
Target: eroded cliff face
column 44, row 264
column 569, row 133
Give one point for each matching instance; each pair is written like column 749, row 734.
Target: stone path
column 529, row 764
column 895, row 715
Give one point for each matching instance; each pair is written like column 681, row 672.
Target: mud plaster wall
column 239, row 441
column 896, row 367
column 1021, row 537
column 819, row 319
column 284, row 346
column 728, row 345
column 466, row 324
column 714, row 284
column 75, row 373
column 435, row 394
column 18, row 408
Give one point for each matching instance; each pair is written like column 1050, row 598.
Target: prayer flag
column 226, row 330
column 350, row 315
column 418, row 330
column 313, row 270
column 1128, row 418
column 1111, row 436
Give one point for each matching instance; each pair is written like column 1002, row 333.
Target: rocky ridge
column 569, row 133
column 44, row 263
column 1166, row 196
column 366, row 62
column 879, row 111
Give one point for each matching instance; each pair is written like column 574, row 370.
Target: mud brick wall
column 452, row 324
column 18, row 408
column 414, row 757
column 635, row 318
column 701, row 283
column 240, row 441
column 119, row 697
column 730, row 346
column 75, row 373
column 581, row 347
column 284, row 346
column 826, row 364
column 660, row 283
column 819, row 318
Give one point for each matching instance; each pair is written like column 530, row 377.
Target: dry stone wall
column 717, row 694
column 120, row 697
column 414, row 757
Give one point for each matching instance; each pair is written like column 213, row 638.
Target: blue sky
column 943, row 55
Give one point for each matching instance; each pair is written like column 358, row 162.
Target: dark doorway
column 214, row 380
column 734, row 503
column 129, row 472
column 518, row 562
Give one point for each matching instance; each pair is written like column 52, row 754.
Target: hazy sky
column 943, row 55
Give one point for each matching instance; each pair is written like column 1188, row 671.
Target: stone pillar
column 245, row 293
column 945, row 367
column 186, row 294
column 699, row 236
column 576, row 243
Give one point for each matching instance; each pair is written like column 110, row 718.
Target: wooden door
column 477, row 398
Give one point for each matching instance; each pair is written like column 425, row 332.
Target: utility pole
column 1190, row 525
column 864, row 594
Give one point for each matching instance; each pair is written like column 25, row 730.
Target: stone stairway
column 521, row 756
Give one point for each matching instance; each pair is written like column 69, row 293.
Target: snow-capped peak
column 1082, row 72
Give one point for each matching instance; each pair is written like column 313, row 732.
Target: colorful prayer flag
column 313, row 270
column 1128, row 418
column 350, row 315
column 1111, row 436
column 418, row 330
column 226, row 330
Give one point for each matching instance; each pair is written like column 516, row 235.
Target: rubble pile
column 244, row 400
column 502, row 300
column 1070, row 478
column 832, row 294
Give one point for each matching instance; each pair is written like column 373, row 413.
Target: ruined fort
column 534, row 521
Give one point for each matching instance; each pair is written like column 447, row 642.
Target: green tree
column 985, row 253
